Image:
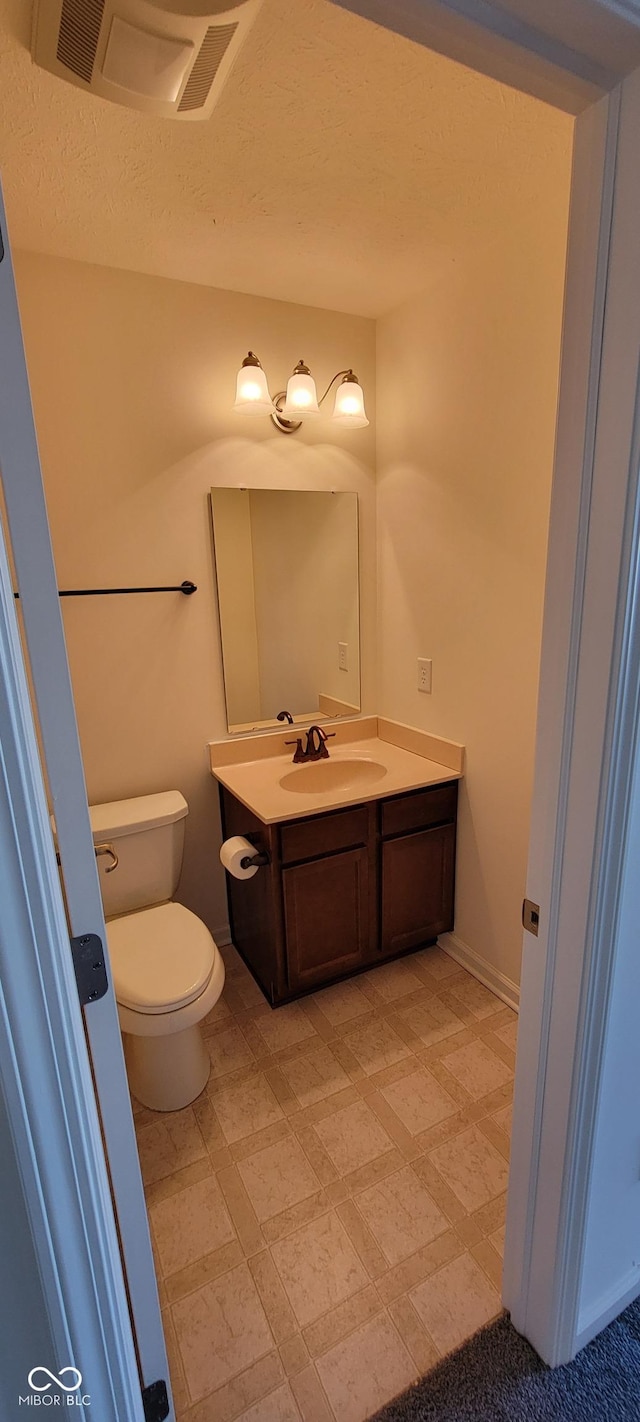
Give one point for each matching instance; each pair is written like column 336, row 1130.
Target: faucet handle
column 298, row 754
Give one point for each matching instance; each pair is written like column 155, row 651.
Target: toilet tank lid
column 120, row 817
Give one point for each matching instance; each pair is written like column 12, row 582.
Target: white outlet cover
column 424, row 674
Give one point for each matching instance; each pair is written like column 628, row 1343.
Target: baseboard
column 608, row 1306
column 503, row 987
column 222, row 935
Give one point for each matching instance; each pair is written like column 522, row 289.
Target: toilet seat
column 162, row 958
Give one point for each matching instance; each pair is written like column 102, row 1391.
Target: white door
column 40, row 609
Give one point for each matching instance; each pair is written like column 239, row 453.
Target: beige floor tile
column 352, row 1137
column 318, row 1267
column 497, row 1240
column 413, row 1334
column 342, row 1003
column 231, row 959
column 490, row 1261
column 229, row 1051
column 401, row 1215
column 273, row 1298
column 294, row 1355
column 393, row 980
column 342, row 1320
column 432, row 1021
column 169, row 1144
column 219, row 1016
column 284, row 1027
column 438, row 963
column 455, row 1302
column 279, row 1406
column 471, row 1167
column 419, row 1101
column 244, row 1107
column 375, row 1045
column 509, row 1034
column 176, row 1373
column 475, row 996
column 191, row 1224
column 277, row 1178
column 221, row 1329
column 477, row 1068
column 366, row 1370
column 242, row 1391
column 248, row 992
column 493, row 1215
column 311, row 1397
column 315, row 1076
column 503, row 1119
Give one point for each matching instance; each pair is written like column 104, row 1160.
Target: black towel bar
column 187, row 588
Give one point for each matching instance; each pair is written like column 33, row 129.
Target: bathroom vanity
column 345, row 887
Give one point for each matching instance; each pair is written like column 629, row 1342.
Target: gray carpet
column 497, row 1377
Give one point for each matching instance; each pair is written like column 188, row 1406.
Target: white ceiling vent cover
column 142, row 54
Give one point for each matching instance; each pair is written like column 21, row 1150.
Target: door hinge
column 90, row 970
column 530, row 916
column 155, row 1401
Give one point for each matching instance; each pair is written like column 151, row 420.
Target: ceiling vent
column 140, row 53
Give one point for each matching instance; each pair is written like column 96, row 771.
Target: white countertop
column 257, row 783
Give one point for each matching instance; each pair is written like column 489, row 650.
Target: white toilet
column 167, row 970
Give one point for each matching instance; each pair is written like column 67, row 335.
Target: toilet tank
column 147, row 834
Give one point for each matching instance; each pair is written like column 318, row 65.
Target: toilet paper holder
column 255, row 860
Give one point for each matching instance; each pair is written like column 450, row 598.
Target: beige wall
column 467, row 390
column 133, row 379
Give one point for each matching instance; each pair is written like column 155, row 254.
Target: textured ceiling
column 342, row 166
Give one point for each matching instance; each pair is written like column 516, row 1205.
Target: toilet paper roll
column 233, row 851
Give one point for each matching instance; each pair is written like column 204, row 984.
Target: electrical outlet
column 343, row 656
column 424, row 674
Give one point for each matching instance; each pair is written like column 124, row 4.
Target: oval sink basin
column 321, row 775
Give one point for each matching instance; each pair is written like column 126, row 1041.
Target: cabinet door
column 417, row 888
column 327, row 921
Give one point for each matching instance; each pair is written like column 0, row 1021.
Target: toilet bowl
column 167, row 970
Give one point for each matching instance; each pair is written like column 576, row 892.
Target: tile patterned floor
column 328, row 1217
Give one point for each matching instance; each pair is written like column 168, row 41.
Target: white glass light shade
column 302, row 397
column 252, row 392
column 349, row 406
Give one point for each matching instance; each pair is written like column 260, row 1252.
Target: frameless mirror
column 287, row 574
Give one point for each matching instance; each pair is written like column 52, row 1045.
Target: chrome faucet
column 315, row 749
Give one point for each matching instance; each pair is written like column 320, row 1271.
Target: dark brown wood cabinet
column 326, row 917
column 343, row 890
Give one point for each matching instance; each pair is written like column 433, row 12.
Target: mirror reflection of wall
column 287, row 575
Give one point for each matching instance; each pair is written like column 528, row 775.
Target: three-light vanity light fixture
column 300, row 401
